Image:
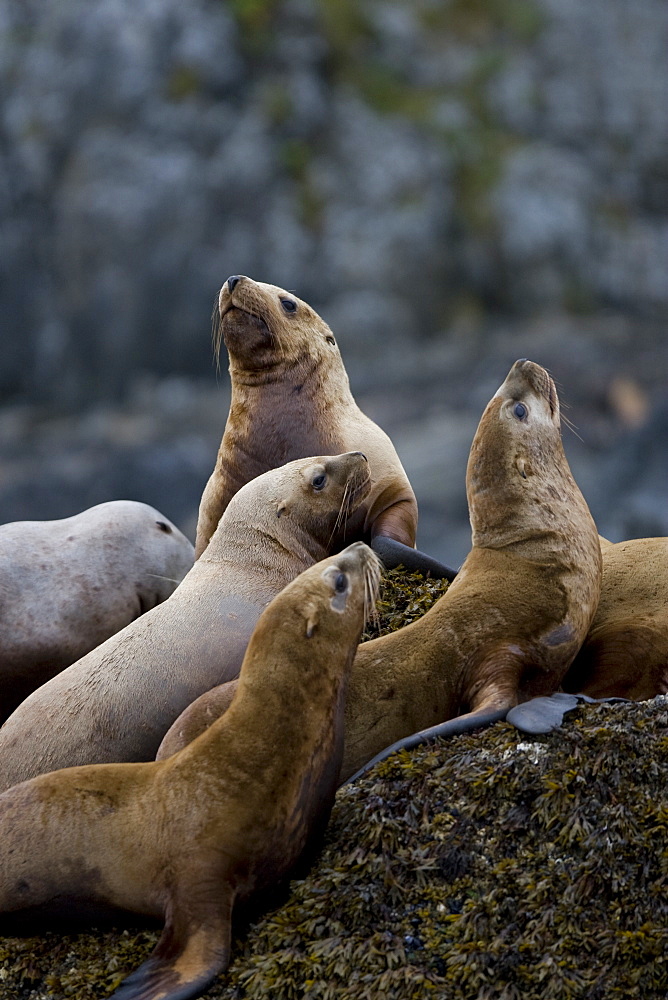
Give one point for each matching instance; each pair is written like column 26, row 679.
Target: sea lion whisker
column 217, row 333
column 371, row 583
column 275, row 336
column 169, row 579
column 340, row 512
column 571, row 426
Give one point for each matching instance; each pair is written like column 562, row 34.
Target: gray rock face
column 442, row 181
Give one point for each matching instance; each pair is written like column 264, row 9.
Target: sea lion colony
column 509, row 629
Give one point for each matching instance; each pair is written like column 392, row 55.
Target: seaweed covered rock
column 489, row 866
column 403, row 597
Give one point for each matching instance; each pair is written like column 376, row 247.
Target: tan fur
column 117, row 702
column 517, row 612
column 625, row 654
column 232, row 813
column 67, row 585
column 510, row 624
column 290, row 398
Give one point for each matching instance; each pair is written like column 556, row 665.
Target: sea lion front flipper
column 394, row 553
column 192, row 950
column 483, row 716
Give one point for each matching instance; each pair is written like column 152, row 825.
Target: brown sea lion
column 625, row 653
column 510, row 624
column 290, row 398
column 67, row 585
column 184, row 839
column 117, row 702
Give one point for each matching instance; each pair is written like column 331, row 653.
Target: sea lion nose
column 233, row 281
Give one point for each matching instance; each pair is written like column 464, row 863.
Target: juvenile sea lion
column 117, row 702
column 625, row 653
column 290, row 398
column 67, row 585
column 184, row 839
column 509, row 626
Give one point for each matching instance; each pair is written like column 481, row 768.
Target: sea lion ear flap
column 311, row 620
column 282, row 508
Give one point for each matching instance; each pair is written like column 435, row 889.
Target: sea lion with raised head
column 117, row 702
column 290, row 398
column 625, row 654
column 184, row 839
column 509, row 626
column 67, row 585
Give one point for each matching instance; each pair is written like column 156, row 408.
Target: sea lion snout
column 225, row 301
column 358, row 556
column 350, row 460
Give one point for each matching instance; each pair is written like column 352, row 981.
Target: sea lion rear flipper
column 540, row 715
column 186, row 959
column 394, row 553
column 483, row 716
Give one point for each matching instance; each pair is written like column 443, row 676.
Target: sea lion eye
column 330, row 340
column 319, row 481
column 289, row 305
column 520, row 411
column 341, row 583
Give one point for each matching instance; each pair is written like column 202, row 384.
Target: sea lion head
column 266, row 328
column 327, row 490
column 532, row 387
column 304, row 504
column 327, row 605
column 517, row 462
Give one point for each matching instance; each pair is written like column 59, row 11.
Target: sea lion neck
column 260, row 546
column 256, row 438
column 304, row 374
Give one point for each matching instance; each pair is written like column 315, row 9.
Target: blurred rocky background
column 452, row 183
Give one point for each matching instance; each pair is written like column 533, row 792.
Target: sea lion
column 290, row 398
column 509, row 626
column 117, row 702
column 184, row 839
column 68, row 585
column 625, row 653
